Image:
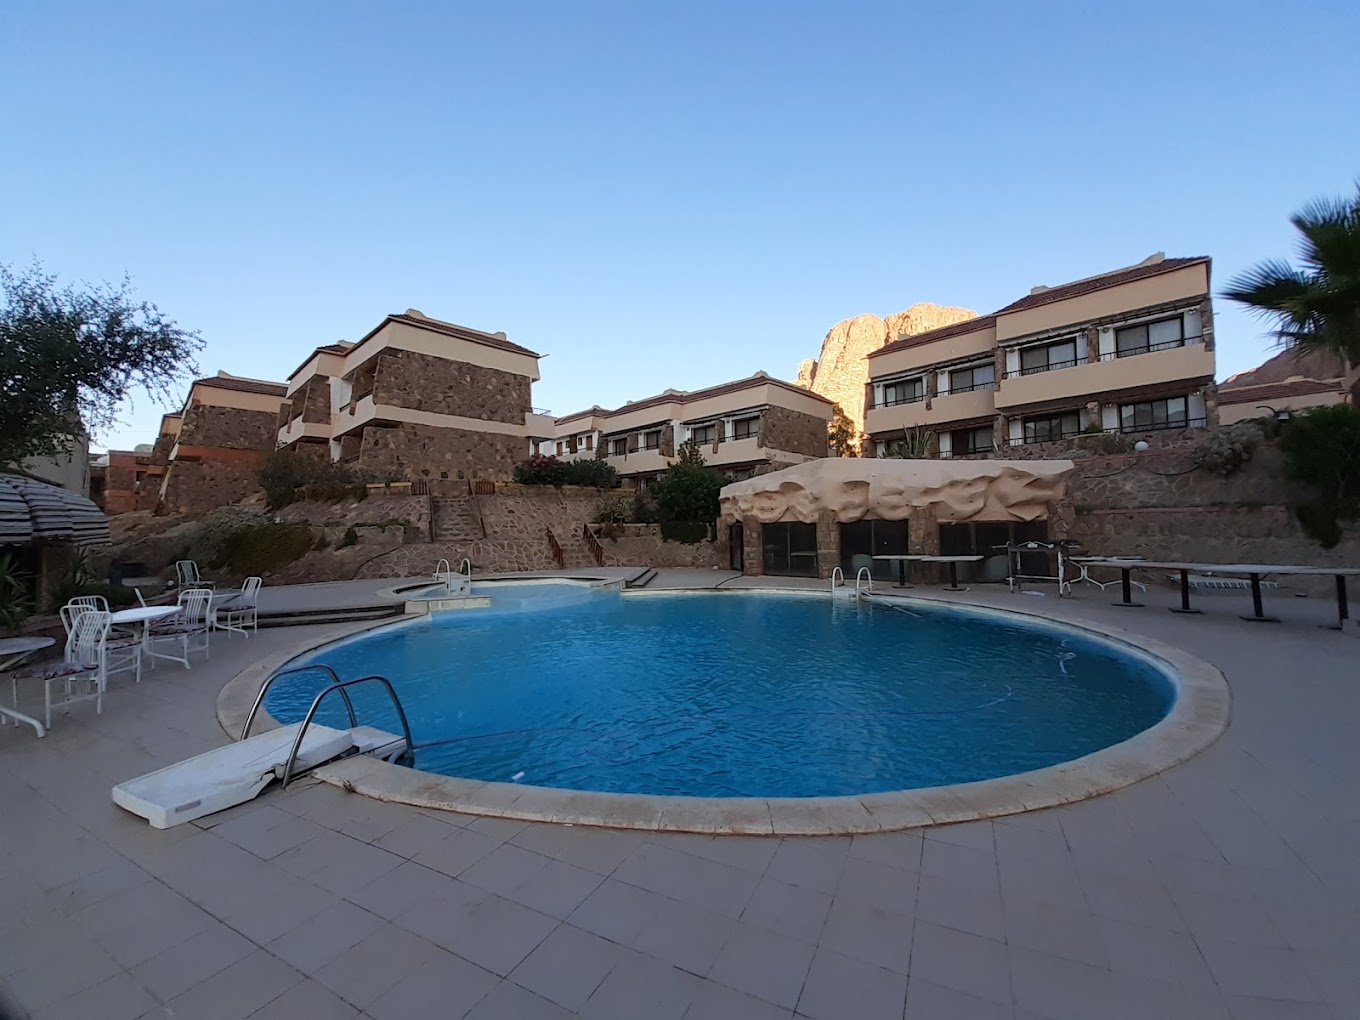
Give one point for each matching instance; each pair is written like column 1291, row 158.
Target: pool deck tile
column 1225, row 887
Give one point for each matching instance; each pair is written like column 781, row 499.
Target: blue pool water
column 740, row 694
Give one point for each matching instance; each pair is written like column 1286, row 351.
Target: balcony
column 539, row 424
column 298, row 429
column 643, row 462
column 962, row 405
column 1085, row 380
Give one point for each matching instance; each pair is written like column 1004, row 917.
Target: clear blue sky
column 653, row 193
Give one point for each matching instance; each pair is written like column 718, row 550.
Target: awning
column 34, row 511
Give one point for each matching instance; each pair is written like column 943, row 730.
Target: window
column 976, row 377
column 746, row 428
column 966, row 441
column 1057, row 426
column 651, row 440
column 904, row 391
column 703, row 434
column 618, row 447
column 864, row 539
column 789, row 548
column 1149, row 336
column 1048, row 358
column 1153, row 414
column 590, row 440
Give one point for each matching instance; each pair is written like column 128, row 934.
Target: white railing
column 868, row 578
column 466, row 568
column 837, row 573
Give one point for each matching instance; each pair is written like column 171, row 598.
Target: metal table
column 1254, row 571
column 14, row 651
column 902, row 562
column 146, row 616
column 953, row 562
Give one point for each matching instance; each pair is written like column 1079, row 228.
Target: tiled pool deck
column 1228, row 886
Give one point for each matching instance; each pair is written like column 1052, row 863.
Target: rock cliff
column 841, row 370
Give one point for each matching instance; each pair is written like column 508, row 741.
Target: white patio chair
column 85, row 661
column 189, row 629
column 240, row 612
column 124, row 650
column 187, row 575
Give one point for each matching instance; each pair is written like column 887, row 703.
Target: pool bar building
column 809, row 519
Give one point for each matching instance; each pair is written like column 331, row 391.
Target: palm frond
column 1269, row 287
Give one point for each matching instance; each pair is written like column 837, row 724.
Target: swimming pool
column 742, row 694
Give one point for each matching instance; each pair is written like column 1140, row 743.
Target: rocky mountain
column 841, row 371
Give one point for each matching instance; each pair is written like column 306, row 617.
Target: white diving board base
column 231, row 775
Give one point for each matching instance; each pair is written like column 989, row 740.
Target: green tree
column 70, row 356
column 1322, row 449
column 841, row 434
column 688, row 490
column 1315, row 307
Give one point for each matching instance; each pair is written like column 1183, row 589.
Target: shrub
column 688, row 491
column 539, row 470
column 615, row 507
column 688, row 532
column 263, row 548
column 14, row 603
column 915, row 444
column 1224, row 451
column 287, row 477
column 591, row 472
column 204, row 542
column 350, row 537
column 1322, row 449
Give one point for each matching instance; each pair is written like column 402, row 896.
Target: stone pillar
column 923, row 534
column 1062, row 515
column 1001, row 434
column 722, row 541
column 1092, row 345
column 828, row 543
column 1206, row 323
column 753, row 562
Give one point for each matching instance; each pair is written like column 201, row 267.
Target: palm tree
column 1317, row 307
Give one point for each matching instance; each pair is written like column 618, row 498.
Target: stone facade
column 412, row 512
column 423, row 451
column 793, row 432
column 197, row 486
column 312, row 401
column 641, row 545
column 229, row 428
column 440, row 386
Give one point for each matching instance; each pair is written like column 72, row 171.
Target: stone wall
column 425, row 383
column 1097, row 444
column 229, row 428
column 312, row 400
column 641, row 545
column 378, row 508
column 197, row 486
column 1160, row 506
column 793, row 432
column 423, row 451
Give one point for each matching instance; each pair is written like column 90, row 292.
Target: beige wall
column 1165, row 288
column 1084, row 381
column 211, row 396
column 171, row 424
column 755, row 396
column 406, row 337
column 298, row 429
column 949, row 408
column 321, row 363
column 629, row 421
column 950, row 349
column 642, row 462
column 1233, row 408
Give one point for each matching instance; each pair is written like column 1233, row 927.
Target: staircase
column 575, row 554
column 454, row 520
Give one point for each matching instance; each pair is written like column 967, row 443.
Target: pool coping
column 1198, row 717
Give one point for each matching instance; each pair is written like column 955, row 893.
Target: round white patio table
column 13, row 651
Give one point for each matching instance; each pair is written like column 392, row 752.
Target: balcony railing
column 1165, row 345
column 911, row 399
column 1164, row 426
column 975, row 388
column 1051, row 366
column 1053, row 437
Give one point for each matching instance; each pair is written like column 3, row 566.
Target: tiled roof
column 221, row 382
column 931, row 335
column 685, row 397
column 1092, row 284
column 337, row 348
column 1274, row 391
column 475, row 336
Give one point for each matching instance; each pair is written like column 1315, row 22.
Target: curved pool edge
column 1198, row 716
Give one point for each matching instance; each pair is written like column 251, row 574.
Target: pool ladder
column 336, row 685
column 446, row 573
column 864, row 581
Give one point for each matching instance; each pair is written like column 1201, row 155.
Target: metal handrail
column 466, row 563
column 868, row 576
column 835, row 573
column 264, row 689
column 340, row 686
column 441, row 573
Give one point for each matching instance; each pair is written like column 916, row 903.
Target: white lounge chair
column 189, row 629
column 187, row 575
column 124, row 650
column 240, row 612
